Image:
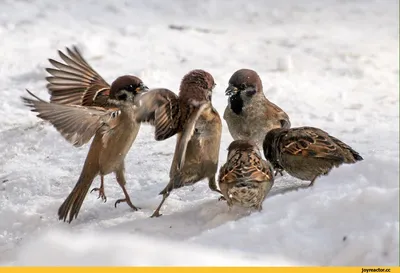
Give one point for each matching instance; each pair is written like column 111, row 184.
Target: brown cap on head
column 242, row 145
column 244, row 78
column 128, row 83
column 195, row 85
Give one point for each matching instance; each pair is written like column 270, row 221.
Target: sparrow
column 114, row 130
column 249, row 114
column 246, row 178
column 75, row 82
column 197, row 124
column 306, row 152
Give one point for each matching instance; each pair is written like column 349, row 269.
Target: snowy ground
column 343, row 78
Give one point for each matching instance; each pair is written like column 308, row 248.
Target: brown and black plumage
column 114, row 129
column 198, row 127
column 307, row 152
column 249, row 114
column 246, row 178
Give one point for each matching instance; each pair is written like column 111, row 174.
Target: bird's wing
column 310, row 142
column 160, row 107
column 187, row 133
column 77, row 124
column 76, row 82
column 275, row 110
column 253, row 169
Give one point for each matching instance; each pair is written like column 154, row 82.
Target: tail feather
column 71, row 206
column 355, row 155
column 178, row 181
column 175, row 182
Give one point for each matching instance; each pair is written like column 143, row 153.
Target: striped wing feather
column 77, row 124
column 76, row 82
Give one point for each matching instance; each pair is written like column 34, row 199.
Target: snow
column 329, row 64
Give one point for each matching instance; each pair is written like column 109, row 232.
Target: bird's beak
column 231, row 90
column 142, row 88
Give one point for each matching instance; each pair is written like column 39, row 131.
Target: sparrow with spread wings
column 307, row 152
column 83, row 105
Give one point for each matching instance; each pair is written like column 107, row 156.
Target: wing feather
column 75, row 82
column 77, row 124
column 245, row 166
column 160, row 108
column 187, row 134
column 310, row 142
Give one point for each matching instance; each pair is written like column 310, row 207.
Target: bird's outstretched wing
column 77, row 124
column 76, row 82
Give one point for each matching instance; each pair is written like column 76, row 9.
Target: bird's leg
column 280, row 171
column 156, row 213
column 175, row 181
column 102, row 194
column 222, row 198
column 212, row 184
column 121, row 181
column 312, row 182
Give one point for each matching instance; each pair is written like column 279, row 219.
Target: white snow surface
column 330, row 64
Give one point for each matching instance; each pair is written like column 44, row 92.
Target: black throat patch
column 236, row 103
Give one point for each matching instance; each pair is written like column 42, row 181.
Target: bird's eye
column 242, row 86
column 130, row 88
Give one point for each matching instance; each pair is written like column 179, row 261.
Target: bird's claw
column 278, row 171
column 102, row 195
column 156, row 214
column 128, row 202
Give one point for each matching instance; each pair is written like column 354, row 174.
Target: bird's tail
column 71, row 206
column 355, row 156
column 178, row 181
